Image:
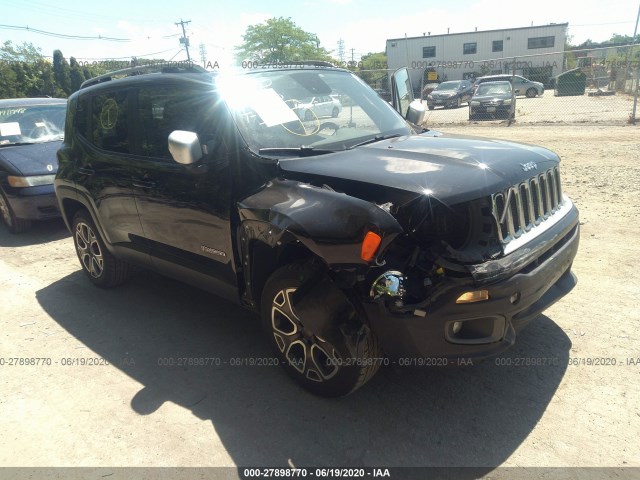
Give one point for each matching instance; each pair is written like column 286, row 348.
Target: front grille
column 522, row 207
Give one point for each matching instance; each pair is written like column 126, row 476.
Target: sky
column 149, row 29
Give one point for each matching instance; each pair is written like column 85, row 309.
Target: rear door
column 105, row 167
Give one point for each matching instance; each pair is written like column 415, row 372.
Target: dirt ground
column 103, row 396
column 575, row 110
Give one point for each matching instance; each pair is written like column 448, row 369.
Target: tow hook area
column 327, row 313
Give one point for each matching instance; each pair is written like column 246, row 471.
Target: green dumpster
column 571, row 82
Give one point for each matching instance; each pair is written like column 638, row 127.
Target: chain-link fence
column 574, row 86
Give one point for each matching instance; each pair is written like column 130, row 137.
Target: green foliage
column 373, row 69
column 62, row 72
column 279, row 40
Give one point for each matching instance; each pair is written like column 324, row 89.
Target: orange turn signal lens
column 370, row 245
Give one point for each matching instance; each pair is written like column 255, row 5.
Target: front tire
column 335, row 112
column 103, row 269
column 532, row 92
column 325, row 369
column 13, row 223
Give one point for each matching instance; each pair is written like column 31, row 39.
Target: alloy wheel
column 89, row 250
column 309, row 354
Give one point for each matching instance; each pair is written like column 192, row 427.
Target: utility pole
column 184, row 39
column 341, row 50
column 203, row 53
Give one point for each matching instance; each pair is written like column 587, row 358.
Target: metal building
column 538, row 52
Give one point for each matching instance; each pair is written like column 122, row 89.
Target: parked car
column 428, row 88
column 521, row 85
column 317, row 107
column 492, row 100
column 450, row 94
column 358, row 240
column 31, row 130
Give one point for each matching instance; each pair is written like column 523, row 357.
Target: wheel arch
column 264, row 249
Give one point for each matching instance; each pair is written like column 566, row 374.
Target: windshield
column 318, row 109
column 32, row 123
column 448, row 86
column 494, row 89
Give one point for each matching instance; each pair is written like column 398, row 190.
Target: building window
column 469, row 48
column 541, row 42
column 497, row 46
column 428, row 52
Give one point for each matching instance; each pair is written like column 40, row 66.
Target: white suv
column 521, row 85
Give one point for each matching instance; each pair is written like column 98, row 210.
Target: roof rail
column 159, row 67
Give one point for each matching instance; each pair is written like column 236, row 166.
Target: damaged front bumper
column 520, row 286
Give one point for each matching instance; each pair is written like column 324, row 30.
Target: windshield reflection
column 318, row 109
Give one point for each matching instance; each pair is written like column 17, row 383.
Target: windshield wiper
column 377, row 138
column 299, row 151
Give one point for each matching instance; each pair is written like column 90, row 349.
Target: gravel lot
column 135, row 412
column 610, row 110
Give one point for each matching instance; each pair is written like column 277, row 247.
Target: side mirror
column 402, row 98
column 416, row 113
column 185, row 147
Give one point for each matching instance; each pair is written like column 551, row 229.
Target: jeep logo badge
column 529, row 166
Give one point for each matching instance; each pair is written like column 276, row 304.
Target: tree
column 279, row 40
column 373, row 69
column 62, row 72
column 76, row 75
column 24, row 72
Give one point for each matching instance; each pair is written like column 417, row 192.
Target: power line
column 63, row 35
column 76, row 37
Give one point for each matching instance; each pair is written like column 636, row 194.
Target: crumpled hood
column 449, row 168
column 35, row 159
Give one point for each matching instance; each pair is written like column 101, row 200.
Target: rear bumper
column 33, row 203
column 488, row 327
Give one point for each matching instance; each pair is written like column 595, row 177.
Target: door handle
column 143, row 184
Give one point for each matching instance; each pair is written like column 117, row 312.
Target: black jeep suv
column 360, row 240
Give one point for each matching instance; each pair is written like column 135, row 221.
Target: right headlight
column 475, row 103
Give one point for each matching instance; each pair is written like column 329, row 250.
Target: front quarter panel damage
column 331, row 225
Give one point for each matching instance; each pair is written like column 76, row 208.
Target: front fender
column 332, row 225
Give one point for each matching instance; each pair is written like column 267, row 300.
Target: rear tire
column 335, row 112
column 312, row 362
column 103, row 269
column 14, row 224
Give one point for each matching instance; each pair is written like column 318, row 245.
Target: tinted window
column 110, row 122
column 82, row 117
column 163, row 109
